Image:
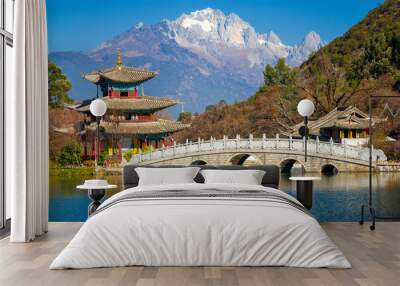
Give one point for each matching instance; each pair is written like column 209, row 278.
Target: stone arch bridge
column 283, row 152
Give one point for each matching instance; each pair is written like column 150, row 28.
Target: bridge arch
column 329, row 169
column 282, row 152
column 287, row 165
column 244, row 159
column 198, row 162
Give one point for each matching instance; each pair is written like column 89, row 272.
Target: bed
column 201, row 224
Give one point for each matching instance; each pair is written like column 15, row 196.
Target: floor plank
column 375, row 257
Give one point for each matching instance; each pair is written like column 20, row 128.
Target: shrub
column 128, row 155
column 89, row 163
column 71, row 154
column 103, row 157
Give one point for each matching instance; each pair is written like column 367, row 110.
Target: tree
column 280, row 75
column 328, row 84
column 71, row 154
column 59, row 86
column 209, row 108
column 281, row 79
column 185, row 117
column 63, row 126
column 114, row 119
column 375, row 60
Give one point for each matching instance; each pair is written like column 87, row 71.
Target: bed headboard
column 270, row 179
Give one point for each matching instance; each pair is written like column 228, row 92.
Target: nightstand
column 304, row 190
column 96, row 190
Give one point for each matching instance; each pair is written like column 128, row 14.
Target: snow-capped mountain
column 299, row 53
column 203, row 57
column 209, row 29
column 213, row 26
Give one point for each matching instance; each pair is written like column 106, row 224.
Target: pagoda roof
column 139, row 103
column 120, row 74
column 138, row 128
column 349, row 117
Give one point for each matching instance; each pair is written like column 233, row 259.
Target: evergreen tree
column 59, row 86
column 375, row 60
column 71, row 154
column 280, row 75
column 185, row 117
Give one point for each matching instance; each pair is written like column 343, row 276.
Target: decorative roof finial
column 119, row 63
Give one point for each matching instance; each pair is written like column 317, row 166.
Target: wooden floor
column 375, row 257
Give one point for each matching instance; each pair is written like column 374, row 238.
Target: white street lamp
column 97, row 108
column 305, row 108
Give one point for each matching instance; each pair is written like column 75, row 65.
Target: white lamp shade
column 98, row 107
column 305, row 108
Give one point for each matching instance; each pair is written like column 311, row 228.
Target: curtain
column 27, row 124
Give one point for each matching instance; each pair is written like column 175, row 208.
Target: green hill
column 364, row 61
column 384, row 20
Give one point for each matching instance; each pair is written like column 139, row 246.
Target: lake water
column 336, row 198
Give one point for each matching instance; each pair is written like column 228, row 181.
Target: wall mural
column 217, row 84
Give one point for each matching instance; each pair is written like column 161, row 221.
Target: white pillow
column 166, row 176
column 248, row 177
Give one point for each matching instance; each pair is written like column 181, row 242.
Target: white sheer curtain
column 27, row 124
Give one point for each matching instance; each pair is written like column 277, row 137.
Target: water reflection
column 336, row 198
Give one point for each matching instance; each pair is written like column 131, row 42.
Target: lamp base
column 304, row 191
column 95, row 195
column 374, row 216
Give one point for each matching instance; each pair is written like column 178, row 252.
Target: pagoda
column 344, row 124
column 131, row 121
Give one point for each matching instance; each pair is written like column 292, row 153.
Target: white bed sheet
column 200, row 232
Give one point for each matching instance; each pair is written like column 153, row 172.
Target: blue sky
column 81, row 25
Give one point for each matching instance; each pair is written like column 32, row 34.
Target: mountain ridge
column 363, row 61
column 203, row 57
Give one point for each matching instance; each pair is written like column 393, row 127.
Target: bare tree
column 327, row 84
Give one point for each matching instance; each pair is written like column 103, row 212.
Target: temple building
column 343, row 124
column 131, row 120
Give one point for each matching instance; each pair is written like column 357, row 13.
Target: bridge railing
column 253, row 144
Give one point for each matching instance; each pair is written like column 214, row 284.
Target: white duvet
column 200, row 231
